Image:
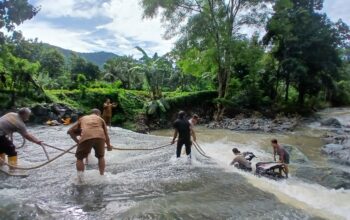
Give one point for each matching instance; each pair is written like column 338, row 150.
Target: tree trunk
column 301, row 96
column 220, row 109
column 287, row 88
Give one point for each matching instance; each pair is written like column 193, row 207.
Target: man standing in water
column 92, row 131
column 282, row 153
column 107, row 112
column 10, row 123
column 184, row 130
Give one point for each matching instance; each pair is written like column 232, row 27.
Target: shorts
column 286, row 159
column 7, row 147
column 85, row 147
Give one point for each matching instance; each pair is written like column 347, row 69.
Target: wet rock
column 331, row 148
column 328, row 177
column 295, row 155
column 339, row 153
column 239, row 123
column 44, row 112
column 331, row 122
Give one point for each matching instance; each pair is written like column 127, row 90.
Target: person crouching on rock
column 240, row 162
column 184, row 130
column 10, row 123
column 283, row 155
column 93, row 133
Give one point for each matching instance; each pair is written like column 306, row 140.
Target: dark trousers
column 187, row 144
column 7, row 147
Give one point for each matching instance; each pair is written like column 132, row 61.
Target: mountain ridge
column 98, row 58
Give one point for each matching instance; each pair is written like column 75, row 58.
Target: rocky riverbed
column 242, row 123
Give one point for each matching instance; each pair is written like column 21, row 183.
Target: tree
column 209, row 24
column 120, row 68
column 306, row 46
column 52, row 62
column 79, row 65
column 155, row 70
column 14, row 13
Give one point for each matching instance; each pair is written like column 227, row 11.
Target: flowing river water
column 156, row 185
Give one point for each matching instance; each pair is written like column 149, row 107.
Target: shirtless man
column 107, row 112
column 240, row 162
column 282, row 153
column 92, row 133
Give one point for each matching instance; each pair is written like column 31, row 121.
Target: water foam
column 316, row 199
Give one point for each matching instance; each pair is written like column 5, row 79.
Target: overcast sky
column 113, row 25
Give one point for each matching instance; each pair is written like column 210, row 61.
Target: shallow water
column 155, row 185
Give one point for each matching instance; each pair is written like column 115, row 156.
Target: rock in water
column 327, row 177
column 339, row 153
column 295, row 155
column 331, row 122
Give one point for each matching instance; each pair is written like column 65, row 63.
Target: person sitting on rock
column 240, row 162
column 283, row 155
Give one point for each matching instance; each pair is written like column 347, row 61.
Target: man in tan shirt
column 92, row 131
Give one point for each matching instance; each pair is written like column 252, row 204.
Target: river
column 156, row 185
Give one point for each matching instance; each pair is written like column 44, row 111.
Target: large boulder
column 339, row 153
column 331, row 122
column 295, row 155
column 328, row 177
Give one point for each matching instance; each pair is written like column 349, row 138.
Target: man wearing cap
column 239, row 161
column 10, row 123
column 92, row 133
column 184, row 130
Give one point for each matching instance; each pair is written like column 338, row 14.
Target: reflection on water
column 155, row 185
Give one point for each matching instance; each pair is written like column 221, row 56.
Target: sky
column 114, row 25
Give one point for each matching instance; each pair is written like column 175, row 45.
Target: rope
column 23, row 142
column 200, row 150
column 44, row 149
column 56, row 148
column 137, row 149
column 40, row 165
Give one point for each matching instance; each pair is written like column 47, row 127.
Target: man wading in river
column 282, row 153
column 184, row 130
column 10, row 123
column 92, row 131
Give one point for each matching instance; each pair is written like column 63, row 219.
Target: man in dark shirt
column 184, row 130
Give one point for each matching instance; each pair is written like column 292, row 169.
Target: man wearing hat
column 10, row 123
column 239, row 161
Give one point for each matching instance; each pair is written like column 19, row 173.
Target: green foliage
column 14, row 13
column 306, row 45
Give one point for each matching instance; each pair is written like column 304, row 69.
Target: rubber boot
column 12, row 161
column 3, row 159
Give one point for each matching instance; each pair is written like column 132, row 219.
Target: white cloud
column 123, row 33
column 70, row 8
column 127, row 22
column 338, row 9
column 126, row 28
column 64, row 38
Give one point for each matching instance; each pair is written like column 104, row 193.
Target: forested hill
column 97, row 58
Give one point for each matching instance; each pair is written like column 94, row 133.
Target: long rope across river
column 68, row 151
